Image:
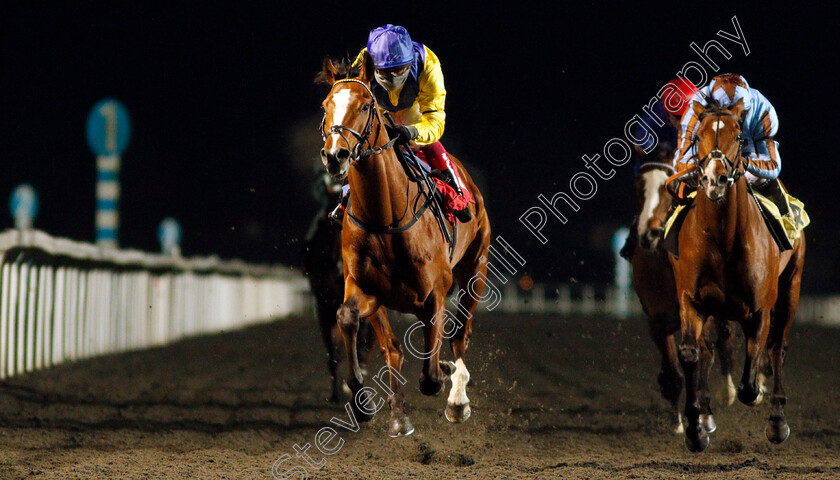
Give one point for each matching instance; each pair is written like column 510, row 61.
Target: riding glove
column 404, row 133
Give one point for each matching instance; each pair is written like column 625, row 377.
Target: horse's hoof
column 360, row 415
column 457, row 413
column 750, row 398
column 777, row 431
column 697, row 445
column 400, row 427
column 708, row 422
column 448, row 367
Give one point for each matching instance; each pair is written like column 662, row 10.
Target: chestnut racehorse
column 395, row 255
column 653, row 280
column 731, row 269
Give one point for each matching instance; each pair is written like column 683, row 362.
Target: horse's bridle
column 733, row 173
column 363, row 137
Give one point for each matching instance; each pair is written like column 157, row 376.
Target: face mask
column 389, row 82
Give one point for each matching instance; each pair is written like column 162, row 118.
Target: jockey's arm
column 685, row 147
column 761, row 150
column 431, row 100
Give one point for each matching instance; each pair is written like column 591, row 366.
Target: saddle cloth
column 450, row 200
column 785, row 229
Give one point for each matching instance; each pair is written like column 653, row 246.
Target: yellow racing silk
column 426, row 112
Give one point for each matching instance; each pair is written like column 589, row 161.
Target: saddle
column 785, row 229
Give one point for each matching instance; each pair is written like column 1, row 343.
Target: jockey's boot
column 772, row 189
column 449, row 177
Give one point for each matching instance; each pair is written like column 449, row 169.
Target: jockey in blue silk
column 760, row 124
column 409, row 84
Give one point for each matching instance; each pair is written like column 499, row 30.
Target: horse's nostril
column 342, row 155
column 723, row 179
column 323, row 155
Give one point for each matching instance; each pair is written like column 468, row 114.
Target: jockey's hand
column 404, row 133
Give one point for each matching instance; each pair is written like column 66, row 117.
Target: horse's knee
column 347, row 318
column 689, row 354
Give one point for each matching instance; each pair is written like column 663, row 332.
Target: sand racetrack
column 552, row 397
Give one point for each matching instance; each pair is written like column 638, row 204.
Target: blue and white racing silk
column 760, row 126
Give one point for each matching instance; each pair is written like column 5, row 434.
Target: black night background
column 225, row 113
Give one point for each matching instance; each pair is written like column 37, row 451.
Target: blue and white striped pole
column 108, row 132
column 107, row 200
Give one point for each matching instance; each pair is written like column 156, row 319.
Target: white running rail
column 63, row 300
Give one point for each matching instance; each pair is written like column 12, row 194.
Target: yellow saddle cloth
column 791, row 224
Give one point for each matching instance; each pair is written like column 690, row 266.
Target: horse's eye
column 365, row 107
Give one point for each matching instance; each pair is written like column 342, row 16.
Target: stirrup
column 337, row 214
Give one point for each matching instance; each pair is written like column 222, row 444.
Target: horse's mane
column 345, row 70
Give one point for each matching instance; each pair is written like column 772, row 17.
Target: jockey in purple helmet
column 409, row 84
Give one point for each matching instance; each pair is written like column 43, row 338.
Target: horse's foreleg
column 389, row 345
column 755, row 329
column 777, row 430
column 458, row 404
column 355, row 304
column 330, row 335
column 725, row 353
column 670, row 379
column 434, row 318
column 691, row 355
column 704, row 393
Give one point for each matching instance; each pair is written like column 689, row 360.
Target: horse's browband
column 353, row 80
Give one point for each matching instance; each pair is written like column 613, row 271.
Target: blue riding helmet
column 390, row 46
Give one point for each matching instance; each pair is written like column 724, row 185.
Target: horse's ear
column 698, row 108
column 738, row 109
column 366, row 72
column 327, row 73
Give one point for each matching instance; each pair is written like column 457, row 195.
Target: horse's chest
column 395, row 272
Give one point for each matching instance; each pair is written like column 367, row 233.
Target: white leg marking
column 680, row 428
column 458, row 394
column 732, row 392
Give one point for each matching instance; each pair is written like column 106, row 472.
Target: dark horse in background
column 730, row 269
column 395, row 256
column 653, row 280
column 323, row 267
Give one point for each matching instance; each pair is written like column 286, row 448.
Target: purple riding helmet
column 390, row 47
